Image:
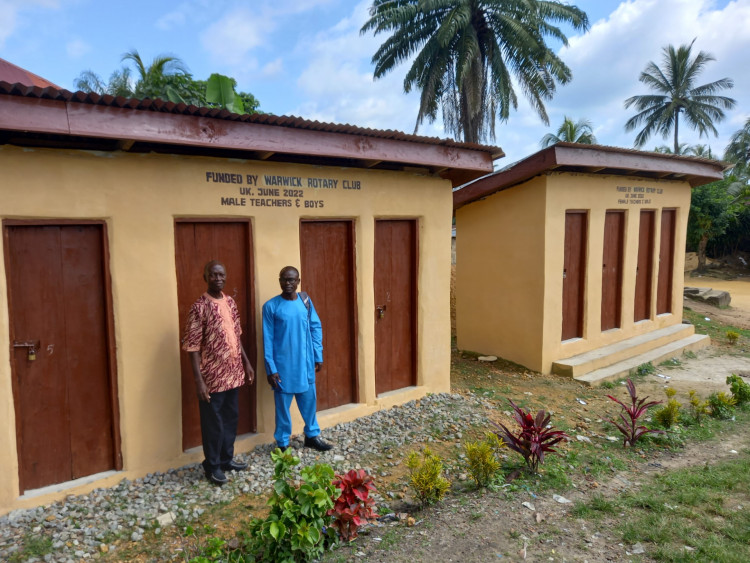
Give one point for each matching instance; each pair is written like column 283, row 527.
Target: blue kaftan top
column 292, row 342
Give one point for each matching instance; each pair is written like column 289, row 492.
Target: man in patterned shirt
column 220, row 367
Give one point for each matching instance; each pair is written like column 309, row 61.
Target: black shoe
column 282, row 447
column 234, row 465
column 317, row 443
column 217, row 477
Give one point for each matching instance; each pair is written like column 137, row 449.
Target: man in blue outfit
column 293, row 353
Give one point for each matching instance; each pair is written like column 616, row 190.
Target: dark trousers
column 219, row 428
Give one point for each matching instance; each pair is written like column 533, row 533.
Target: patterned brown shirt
column 217, row 337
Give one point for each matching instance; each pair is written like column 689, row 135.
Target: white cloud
column 76, row 48
column 607, row 61
column 273, row 68
column 10, row 11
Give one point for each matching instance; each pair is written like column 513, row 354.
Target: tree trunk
column 702, row 252
column 676, row 130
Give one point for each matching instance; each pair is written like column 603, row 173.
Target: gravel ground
column 85, row 526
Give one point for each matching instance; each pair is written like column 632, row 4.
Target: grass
column 34, row 546
column 717, row 331
column 703, row 508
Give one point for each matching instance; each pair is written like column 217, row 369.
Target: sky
column 307, row 58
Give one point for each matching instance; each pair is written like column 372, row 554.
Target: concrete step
column 581, row 364
column 622, row 369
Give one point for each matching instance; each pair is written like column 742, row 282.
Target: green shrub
column 669, row 414
column 293, row 530
column 426, row 476
column 700, row 407
column 481, row 457
column 721, row 405
column 645, row 369
column 740, row 390
column 732, row 337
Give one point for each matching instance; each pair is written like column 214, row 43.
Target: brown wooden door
column 64, row 398
column 395, row 302
column 614, row 231
column 197, row 243
column 327, row 263
column 644, row 269
column 574, row 274
column 666, row 263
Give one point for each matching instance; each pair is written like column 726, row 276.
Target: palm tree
column 738, row 149
column 677, row 93
column 119, row 83
column 466, row 52
column 570, row 131
column 167, row 77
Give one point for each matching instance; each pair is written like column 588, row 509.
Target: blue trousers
column 219, row 428
column 307, row 404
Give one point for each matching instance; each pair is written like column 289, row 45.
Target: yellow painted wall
column 139, row 197
column 500, row 274
column 509, row 263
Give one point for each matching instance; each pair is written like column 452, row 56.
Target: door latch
column 31, row 345
column 381, row 311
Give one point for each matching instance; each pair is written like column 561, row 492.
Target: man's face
column 289, row 281
column 217, row 276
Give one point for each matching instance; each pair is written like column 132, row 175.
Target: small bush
column 482, row 460
column 669, row 414
column 535, row 437
column 637, row 408
column 645, row 369
column 732, row 337
column 426, row 476
column 740, row 390
column 294, row 528
column 699, row 406
column 721, row 405
column 354, row 506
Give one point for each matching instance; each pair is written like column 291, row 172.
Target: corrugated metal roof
column 158, row 105
column 593, row 159
column 15, row 74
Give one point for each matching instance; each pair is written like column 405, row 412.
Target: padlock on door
column 32, row 354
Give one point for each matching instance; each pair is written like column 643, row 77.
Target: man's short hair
column 210, row 265
column 286, row 269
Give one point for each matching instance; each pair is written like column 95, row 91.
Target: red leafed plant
column 534, row 439
column 637, row 408
column 354, row 506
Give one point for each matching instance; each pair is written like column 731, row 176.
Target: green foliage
column 167, row 78
column 677, row 94
column 669, row 414
column 721, row 405
column 732, row 337
column 570, row 131
column 645, row 369
column 712, row 211
column 294, row 528
column 426, row 476
column 465, row 53
column 699, row 406
column 740, row 390
column 482, row 458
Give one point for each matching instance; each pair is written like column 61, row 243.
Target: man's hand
column 202, row 391
column 249, row 371
column 200, row 386
column 274, row 380
column 318, row 366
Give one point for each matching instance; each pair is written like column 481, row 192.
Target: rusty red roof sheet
column 15, row 74
column 52, row 92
